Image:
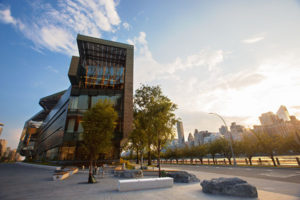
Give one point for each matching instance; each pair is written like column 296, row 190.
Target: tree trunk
column 250, row 160
column 201, row 161
column 229, row 160
column 273, row 160
column 191, row 162
column 158, row 160
column 142, row 159
column 137, row 157
column 177, row 161
column 90, row 167
column 213, row 159
column 91, row 177
column 149, row 156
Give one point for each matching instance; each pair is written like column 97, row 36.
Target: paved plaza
column 27, row 182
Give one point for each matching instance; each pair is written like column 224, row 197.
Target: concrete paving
column 291, row 175
column 27, row 182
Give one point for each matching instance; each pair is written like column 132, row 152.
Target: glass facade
column 112, row 99
column 67, row 153
column 71, row 125
column 103, row 71
column 107, row 74
column 84, row 102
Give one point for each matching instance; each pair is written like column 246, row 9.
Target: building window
column 67, row 153
column 71, row 125
column 112, row 99
column 73, row 103
column 83, row 102
column 80, row 127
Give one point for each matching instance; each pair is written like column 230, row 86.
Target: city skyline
column 238, row 59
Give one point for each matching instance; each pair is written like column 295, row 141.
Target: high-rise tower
column 180, row 133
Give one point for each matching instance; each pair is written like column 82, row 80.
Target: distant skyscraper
column 236, row 131
column 2, row 147
column 191, row 140
column 283, row 114
column 268, row 118
column 223, row 130
column 199, row 137
column 180, row 133
column 1, row 127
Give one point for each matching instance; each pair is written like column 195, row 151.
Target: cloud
column 253, row 39
column 296, row 107
column 52, row 69
column 148, row 69
column 126, row 26
column 55, row 28
column 200, row 83
column 241, row 80
column 5, row 17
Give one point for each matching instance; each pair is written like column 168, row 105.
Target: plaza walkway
column 27, row 182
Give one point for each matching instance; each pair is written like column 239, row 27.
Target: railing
column 285, row 161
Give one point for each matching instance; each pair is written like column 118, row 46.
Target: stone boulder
column 183, row 177
column 229, row 186
column 129, row 174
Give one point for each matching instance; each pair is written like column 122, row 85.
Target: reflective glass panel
column 83, row 102
column 71, row 125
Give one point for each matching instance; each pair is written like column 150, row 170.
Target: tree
column 145, row 96
column 248, row 145
column 201, row 151
column 99, row 124
column 269, row 144
column 138, row 137
column 158, row 112
column 174, row 153
column 290, row 143
column 162, row 121
column 214, row 148
column 190, row 152
column 225, row 148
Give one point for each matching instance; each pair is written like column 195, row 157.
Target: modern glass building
column 103, row 70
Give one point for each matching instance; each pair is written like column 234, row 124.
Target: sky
column 235, row 58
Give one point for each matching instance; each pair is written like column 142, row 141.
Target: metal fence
column 286, row 161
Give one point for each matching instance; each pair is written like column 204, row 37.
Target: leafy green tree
column 214, row 148
column 145, row 96
column 248, row 145
column 269, row 144
column 290, row 143
column 158, row 112
column 174, row 153
column 201, row 152
column 162, row 121
column 190, row 152
column 99, row 124
column 138, row 137
column 225, row 148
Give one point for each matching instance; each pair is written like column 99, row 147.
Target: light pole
column 229, row 133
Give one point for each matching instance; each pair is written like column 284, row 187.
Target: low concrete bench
column 72, row 170
column 60, row 176
column 141, row 184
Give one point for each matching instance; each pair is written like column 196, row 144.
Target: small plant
column 163, row 173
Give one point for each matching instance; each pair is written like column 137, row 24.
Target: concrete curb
column 37, row 166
